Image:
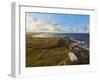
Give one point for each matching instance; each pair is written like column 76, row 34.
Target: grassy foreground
column 46, row 51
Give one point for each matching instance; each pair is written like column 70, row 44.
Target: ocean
column 75, row 36
column 79, row 36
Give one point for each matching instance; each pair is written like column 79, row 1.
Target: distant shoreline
column 57, row 32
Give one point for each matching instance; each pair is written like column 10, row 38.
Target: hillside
column 52, row 51
column 46, row 51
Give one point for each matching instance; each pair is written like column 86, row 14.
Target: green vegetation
column 51, row 51
column 46, row 51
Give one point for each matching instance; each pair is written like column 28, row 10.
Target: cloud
column 36, row 25
column 76, row 30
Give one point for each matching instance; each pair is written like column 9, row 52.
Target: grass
column 51, row 51
column 45, row 51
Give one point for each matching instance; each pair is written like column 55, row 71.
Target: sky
column 53, row 22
